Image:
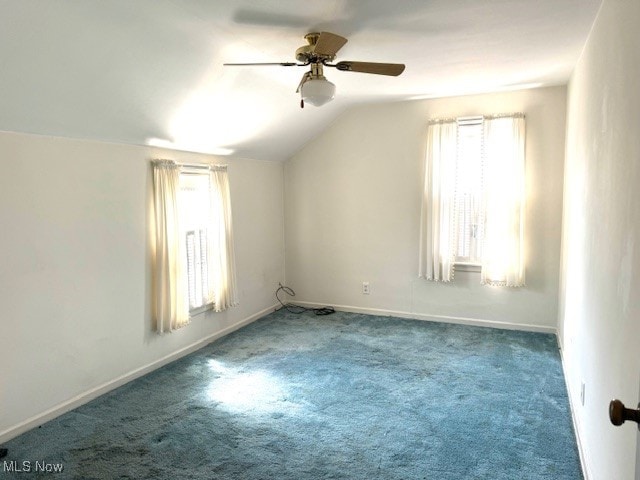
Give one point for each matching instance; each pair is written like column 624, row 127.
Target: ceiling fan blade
column 282, row 64
column 392, row 69
column 328, row 44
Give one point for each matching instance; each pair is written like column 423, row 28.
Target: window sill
column 467, row 267
column 201, row 309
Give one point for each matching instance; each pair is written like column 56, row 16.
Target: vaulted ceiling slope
column 150, row 71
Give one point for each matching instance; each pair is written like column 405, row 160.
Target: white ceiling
column 150, row 71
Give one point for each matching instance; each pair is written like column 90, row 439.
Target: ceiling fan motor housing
column 304, row 53
column 307, row 54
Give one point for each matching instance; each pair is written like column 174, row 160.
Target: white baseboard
column 586, row 472
column 95, row 392
column 438, row 318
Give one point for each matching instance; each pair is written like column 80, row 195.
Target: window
column 194, row 261
column 196, row 227
column 468, row 200
column 473, row 203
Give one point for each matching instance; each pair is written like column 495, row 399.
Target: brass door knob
column 618, row 413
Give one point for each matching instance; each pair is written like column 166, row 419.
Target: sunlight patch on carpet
column 253, row 392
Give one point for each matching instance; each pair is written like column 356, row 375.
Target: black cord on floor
column 297, row 309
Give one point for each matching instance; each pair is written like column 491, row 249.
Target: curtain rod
column 434, row 121
column 504, row 115
column 201, row 166
column 191, row 166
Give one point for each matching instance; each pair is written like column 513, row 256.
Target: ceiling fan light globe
column 318, row 91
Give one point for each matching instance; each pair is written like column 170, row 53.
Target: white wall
column 352, row 207
column 600, row 294
column 75, row 268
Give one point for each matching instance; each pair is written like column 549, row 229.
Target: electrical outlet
column 582, row 394
column 366, row 290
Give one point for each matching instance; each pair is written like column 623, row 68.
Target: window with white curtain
column 194, row 261
column 473, row 201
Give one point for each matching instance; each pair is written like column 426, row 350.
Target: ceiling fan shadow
column 308, row 23
column 270, row 19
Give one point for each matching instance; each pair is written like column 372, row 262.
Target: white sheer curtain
column 224, row 291
column 503, row 252
column 438, row 216
column 170, row 306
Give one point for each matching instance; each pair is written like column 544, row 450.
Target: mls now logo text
column 27, row 466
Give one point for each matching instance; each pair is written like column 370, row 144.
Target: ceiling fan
column 319, row 52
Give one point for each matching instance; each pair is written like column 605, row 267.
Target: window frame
column 184, row 233
column 469, row 264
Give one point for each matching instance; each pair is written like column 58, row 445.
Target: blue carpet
column 345, row 396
